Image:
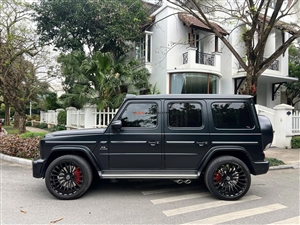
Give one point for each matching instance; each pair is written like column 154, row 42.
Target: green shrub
column 275, row 162
column 42, row 125
column 28, row 124
column 58, row 127
column 33, row 134
column 62, row 117
column 14, row 145
column 36, row 117
column 295, row 142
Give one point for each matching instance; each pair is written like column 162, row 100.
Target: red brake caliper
column 77, row 174
column 218, row 177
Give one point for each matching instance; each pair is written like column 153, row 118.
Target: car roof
column 189, row 96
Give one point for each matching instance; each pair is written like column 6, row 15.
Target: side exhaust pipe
column 187, row 181
column 179, row 181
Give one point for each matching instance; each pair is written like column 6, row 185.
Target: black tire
column 68, row 177
column 227, row 178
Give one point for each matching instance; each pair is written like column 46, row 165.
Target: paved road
column 272, row 198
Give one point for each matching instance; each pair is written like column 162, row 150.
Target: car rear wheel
column 227, row 178
column 68, row 177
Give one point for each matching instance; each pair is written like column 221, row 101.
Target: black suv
column 176, row 137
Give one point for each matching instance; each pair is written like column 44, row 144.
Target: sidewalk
column 35, row 129
column 291, row 157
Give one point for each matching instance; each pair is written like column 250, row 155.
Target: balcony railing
column 205, row 58
column 185, row 57
column 273, row 66
column 201, row 58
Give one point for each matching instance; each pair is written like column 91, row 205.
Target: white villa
column 184, row 56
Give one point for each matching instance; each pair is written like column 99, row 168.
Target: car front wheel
column 227, row 178
column 68, row 177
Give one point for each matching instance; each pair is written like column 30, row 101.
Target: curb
column 3, row 132
column 17, row 160
column 282, row 167
column 28, row 162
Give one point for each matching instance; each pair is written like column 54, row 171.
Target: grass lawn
column 11, row 130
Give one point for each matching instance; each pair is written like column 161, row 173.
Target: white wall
column 159, row 51
column 227, row 63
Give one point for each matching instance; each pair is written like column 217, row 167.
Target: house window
column 199, row 41
column 143, row 48
column 194, row 83
column 271, row 4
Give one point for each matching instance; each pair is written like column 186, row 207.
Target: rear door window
column 184, row 114
column 232, row 115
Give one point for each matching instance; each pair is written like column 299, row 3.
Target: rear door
column 233, row 125
column 138, row 145
column 186, row 133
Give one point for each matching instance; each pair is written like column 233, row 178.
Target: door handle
column 201, row 143
column 153, row 143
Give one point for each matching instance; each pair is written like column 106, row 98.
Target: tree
column 22, row 75
column 98, row 25
column 6, row 104
column 293, row 89
column 258, row 20
column 51, row 101
column 18, row 82
column 99, row 79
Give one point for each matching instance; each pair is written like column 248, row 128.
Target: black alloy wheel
column 68, row 177
column 227, row 178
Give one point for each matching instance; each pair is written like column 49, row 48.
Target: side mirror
column 117, row 125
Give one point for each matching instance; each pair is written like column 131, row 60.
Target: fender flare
column 75, row 148
column 232, row 148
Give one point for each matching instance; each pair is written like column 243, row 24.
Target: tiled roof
column 192, row 21
column 290, row 28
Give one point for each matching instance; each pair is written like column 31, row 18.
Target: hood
column 90, row 131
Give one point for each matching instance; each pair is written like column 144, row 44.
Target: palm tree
column 100, row 79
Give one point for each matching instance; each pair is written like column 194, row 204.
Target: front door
column 138, row 145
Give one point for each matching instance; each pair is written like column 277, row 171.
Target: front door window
column 140, row 115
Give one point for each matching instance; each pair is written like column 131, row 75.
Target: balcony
column 201, row 58
column 206, row 62
column 273, row 66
